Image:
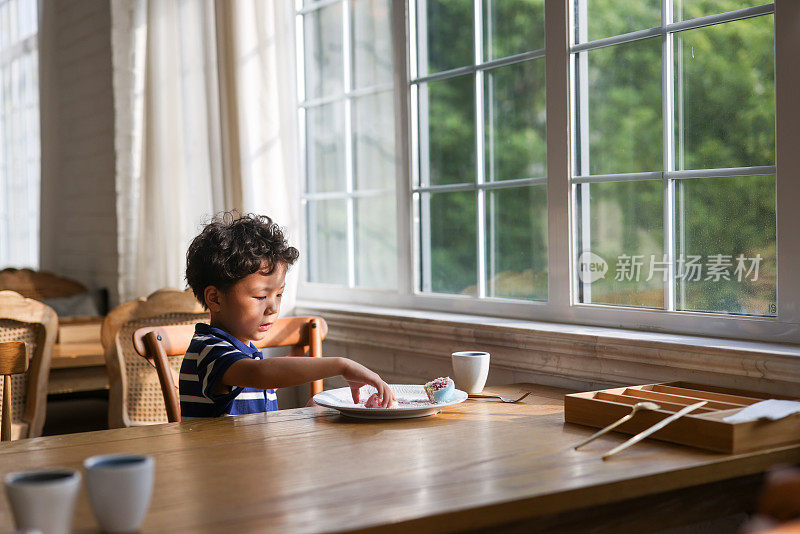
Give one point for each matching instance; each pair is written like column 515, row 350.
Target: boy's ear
column 212, row 296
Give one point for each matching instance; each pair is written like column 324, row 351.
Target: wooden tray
column 703, row 428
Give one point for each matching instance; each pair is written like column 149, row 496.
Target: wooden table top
column 70, row 355
column 475, row 465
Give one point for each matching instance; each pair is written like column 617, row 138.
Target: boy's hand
column 357, row 375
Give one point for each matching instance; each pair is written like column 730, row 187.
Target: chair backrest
column 157, row 343
column 36, row 325
column 39, row 285
column 13, row 361
column 135, row 396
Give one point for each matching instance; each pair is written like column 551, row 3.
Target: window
column 625, row 177
column 674, row 156
column 479, row 124
column 347, row 117
column 19, row 134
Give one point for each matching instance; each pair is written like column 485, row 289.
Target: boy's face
column 248, row 309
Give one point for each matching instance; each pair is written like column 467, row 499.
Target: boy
column 236, row 268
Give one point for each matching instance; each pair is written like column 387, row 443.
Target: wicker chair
column 36, row 325
column 135, row 393
column 39, row 284
column 158, row 343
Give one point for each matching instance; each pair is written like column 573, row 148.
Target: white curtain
column 19, row 134
column 205, row 122
column 266, row 93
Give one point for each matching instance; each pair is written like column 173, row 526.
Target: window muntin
column 657, row 114
column 347, row 119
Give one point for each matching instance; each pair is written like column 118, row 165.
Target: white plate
column 418, row 403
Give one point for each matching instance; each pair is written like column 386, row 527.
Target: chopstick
column 656, row 427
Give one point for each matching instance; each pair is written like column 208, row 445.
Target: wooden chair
column 134, row 391
column 35, row 325
column 39, row 285
column 13, row 361
column 157, row 343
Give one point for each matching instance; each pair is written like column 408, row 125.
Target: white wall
column 78, row 222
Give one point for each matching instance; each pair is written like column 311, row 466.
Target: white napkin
column 771, row 409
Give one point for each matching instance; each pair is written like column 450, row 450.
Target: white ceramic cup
column 43, row 500
column 470, row 369
column 120, row 487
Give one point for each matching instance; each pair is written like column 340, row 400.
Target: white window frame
column 350, row 195
column 669, row 176
column 560, row 306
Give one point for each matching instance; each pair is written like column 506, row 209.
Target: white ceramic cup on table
column 120, row 487
column 470, row 369
column 43, row 500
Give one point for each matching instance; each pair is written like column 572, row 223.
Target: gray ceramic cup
column 43, row 500
column 120, row 487
column 470, row 370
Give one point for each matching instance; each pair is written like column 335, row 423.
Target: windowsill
column 586, row 354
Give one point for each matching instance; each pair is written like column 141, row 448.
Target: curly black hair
column 231, row 247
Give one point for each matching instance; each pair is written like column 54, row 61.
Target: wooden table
column 78, row 363
column 480, row 465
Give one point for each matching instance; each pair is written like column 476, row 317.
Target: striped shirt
column 211, row 352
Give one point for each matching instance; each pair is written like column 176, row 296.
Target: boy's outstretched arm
column 287, row 371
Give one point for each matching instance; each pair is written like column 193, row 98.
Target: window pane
column 516, row 235
column 725, row 99
column 324, row 66
column 19, row 135
column 327, row 241
column 692, row 9
column 376, row 242
column 625, row 230
column 445, row 29
column 512, row 27
column 515, row 121
column 325, row 148
column 447, row 129
column 373, row 141
column 624, row 130
column 598, row 19
column 726, row 245
column 450, row 262
column 372, row 42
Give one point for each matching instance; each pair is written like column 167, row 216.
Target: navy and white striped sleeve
column 213, row 360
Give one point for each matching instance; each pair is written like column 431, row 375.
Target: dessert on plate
column 441, row 389
column 374, row 401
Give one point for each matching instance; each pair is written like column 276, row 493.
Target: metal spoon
column 636, row 407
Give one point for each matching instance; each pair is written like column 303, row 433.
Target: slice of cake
column 374, row 401
column 441, row 389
